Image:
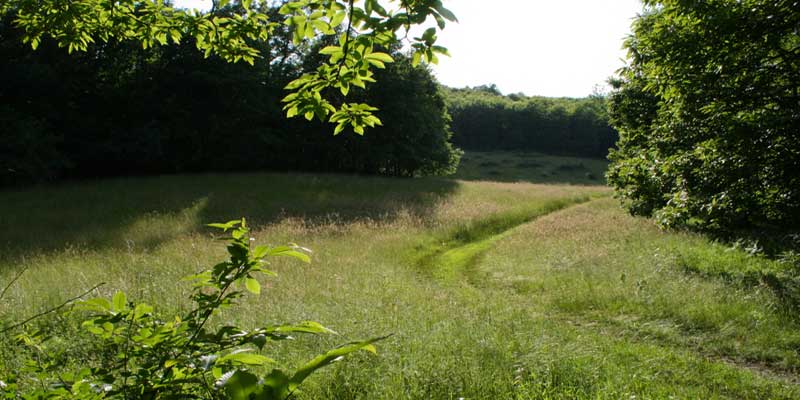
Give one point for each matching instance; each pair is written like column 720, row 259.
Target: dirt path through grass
column 453, row 256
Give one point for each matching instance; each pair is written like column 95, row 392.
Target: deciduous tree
column 708, row 111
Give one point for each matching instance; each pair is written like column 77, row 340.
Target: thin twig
column 210, row 311
column 342, row 63
column 127, row 356
column 207, row 386
column 19, row 274
column 54, row 309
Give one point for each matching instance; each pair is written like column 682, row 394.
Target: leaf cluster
column 362, row 26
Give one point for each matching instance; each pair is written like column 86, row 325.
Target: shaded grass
column 563, row 301
column 145, row 212
column 531, row 167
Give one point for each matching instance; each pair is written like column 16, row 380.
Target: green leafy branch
column 367, row 25
column 182, row 356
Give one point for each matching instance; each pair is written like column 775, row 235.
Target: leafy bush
column 708, row 116
column 146, row 356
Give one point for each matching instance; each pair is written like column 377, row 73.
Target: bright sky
column 538, row 47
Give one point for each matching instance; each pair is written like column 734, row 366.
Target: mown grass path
column 454, row 255
column 616, row 277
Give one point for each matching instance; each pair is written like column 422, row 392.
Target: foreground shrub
column 146, row 356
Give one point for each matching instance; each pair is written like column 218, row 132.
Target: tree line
column 486, row 120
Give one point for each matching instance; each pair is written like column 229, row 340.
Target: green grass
column 492, row 290
column 532, row 168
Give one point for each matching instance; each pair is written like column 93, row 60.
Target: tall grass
column 563, row 300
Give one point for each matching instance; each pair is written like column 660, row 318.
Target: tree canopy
column 118, row 109
column 708, row 111
column 363, row 30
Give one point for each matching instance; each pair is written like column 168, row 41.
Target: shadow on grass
column 503, row 166
column 145, row 212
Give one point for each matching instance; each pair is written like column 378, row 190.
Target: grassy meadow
column 520, row 278
column 512, row 166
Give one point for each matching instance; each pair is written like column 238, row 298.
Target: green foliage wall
column 118, row 109
column 484, row 119
column 708, row 112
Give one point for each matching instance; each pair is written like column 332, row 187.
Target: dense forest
column 486, row 120
column 119, row 109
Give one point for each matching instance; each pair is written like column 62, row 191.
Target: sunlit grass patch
column 595, row 263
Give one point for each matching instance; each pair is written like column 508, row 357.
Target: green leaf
column 176, row 36
column 429, row 36
column 96, row 304
column 119, row 302
column 225, row 226
column 323, row 27
column 339, row 128
column 328, row 50
column 415, row 59
column 142, row 310
column 338, row 18
column 447, row 14
column 440, row 50
column 279, row 384
column 286, row 251
column 440, row 22
column 259, row 252
column 252, row 285
column 377, row 64
column 330, row 357
column 383, row 57
column 304, row 327
column 241, row 385
column 242, row 357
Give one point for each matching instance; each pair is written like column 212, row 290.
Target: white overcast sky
column 538, row 47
